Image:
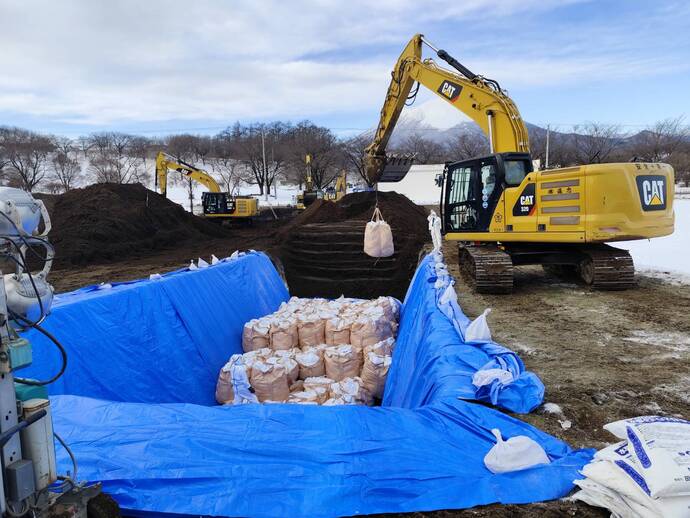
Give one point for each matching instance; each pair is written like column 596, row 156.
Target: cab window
column 515, row 172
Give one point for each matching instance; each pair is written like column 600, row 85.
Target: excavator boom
column 165, row 162
column 479, row 98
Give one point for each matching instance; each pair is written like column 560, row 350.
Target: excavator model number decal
column 652, row 190
column 526, row 203
column 449, row 90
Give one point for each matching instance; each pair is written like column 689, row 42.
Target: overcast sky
column 155, row 67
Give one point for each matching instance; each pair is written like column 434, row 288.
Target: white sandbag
column 337, row 331
column 370, row 328
column 612, row 485
column 305, row 397
column 374, row 373
column 287, row 360
column 378, row 238
column 256, row 334
column 478, row 331
column 351, row 391
column 233, row 385
column 515, row 454
column 342, row 361
column 311, row 330
column 270, row 382
column 310, row 363
column 284, row 334
column 382, row 348
column 660, row 447
column 201, row 263
column 322, row 382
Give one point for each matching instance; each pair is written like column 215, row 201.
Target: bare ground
column 602, row 355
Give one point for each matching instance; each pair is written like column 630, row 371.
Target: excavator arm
column 479, row 98
column 164, row 162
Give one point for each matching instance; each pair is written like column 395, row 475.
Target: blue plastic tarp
column 168, row 451
column 156, row 341
column 430, row 341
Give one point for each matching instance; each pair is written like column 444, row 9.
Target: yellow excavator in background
column 339, row 190
column 501, row 211
column 216, row 204
column 310, row 194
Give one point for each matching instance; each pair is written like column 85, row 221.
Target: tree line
column 261, row 154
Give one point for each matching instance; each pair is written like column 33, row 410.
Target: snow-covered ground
column 666, row 254
column 285, row 195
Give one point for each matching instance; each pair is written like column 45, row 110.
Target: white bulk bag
column 378, row 238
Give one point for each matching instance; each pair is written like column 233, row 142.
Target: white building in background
column 419, row 184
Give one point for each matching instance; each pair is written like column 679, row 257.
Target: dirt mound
column 398, row 211
column 323, row 247
column 105, row 222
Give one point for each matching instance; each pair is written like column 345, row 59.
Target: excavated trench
column 323, row 248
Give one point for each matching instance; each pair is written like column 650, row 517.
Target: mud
column 112, row 222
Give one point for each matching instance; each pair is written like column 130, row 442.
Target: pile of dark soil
column 108, row 222
column 323, row 247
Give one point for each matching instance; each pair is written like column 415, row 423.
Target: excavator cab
column 217, row 203
column 472, row 188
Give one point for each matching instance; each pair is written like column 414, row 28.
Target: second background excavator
column 502, row 212
column 216, row 204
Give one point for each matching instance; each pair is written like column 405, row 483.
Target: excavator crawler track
column 607, row 268
column 488, row 268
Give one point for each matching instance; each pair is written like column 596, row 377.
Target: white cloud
column 100, row 63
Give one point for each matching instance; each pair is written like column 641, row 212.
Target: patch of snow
column 671, row 340
column 552, row 408
column 669, row 253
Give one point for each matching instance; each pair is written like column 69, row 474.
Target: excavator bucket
column 396, row 168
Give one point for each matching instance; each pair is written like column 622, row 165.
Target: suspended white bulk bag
column 378, row 238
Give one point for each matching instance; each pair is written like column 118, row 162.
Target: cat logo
column 652, row 190
column 526, row 203
column 449, row 90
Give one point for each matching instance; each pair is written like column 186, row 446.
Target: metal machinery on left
column 30, row 484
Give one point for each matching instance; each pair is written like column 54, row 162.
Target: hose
column 50, row 337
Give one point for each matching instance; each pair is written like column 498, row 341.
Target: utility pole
column 548, row 135
column 263, row 152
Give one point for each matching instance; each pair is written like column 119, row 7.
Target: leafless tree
column 661, row 141
column 423, row 149
column 353, row 152
column 321, row 145
column 113, row 158
column 466, row 145
column 258, row 141
column 26, row 155
column 594, row 142
column 225, row 164
column 65, row 165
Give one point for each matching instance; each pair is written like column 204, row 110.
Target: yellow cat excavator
column 216, row 204
column 501, row 211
